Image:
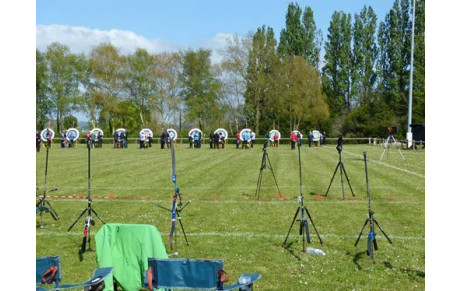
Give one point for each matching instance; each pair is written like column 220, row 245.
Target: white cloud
column 83, row 39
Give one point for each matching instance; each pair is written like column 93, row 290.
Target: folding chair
column 48, row 271
column 193, row 274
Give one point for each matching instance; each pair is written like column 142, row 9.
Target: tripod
column 176, row 206
column 371, row 237
column 263, row 166
column 393, row 142
column 44, row 205
column 342, row 171
column 89, row 210
column 302, row 209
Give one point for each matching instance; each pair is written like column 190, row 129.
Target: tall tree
column 42, row 103
column 337, row 76
column 418, row 94
column 64, row 80
column 200, row 87
column 292, row 38
column 262, row 64
column 365, row 55
column 313, row 38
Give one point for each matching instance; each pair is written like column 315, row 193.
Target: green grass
column 225, row 220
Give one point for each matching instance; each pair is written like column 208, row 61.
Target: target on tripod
column 223, row 132
column 172, row 134
column 146, row 132
column 194, row 131
column 72, row 134
column 247, row 132
column 97, row 131
column 47, row 133
column 272, row 134
column 316, row 135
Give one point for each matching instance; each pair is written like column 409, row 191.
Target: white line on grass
column 246, row 235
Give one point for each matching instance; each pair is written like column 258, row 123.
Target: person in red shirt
column 293, row 139
column 275, row 139
column 237, row 140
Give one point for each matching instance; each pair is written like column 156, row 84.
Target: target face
column 316, row 135
column 47, row 133
column 193, row 131
column 172, row 133
column 72, row 134
column 223, row 132
column 97, row 131
column 147, row 132
column 245, row 131
column 272, row 134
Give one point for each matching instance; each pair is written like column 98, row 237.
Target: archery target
column 296, row 132
column 97, row 131
column 192, row 132
column 272, row 134
column 243, row 131
column 223, row 131
column 46, row 132
column 172, row 133
column 316, row 135
column 146, row 131
column 72, row 134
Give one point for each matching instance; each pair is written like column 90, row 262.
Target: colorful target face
column 172, row 133
column 223, row 132
column 192, row 132
column 97, row 131
column 316, row 135
column 245, row 131
column 72, row 134
column 272, row 134
column 147, row 132
column 47, row 133
column 120, row 131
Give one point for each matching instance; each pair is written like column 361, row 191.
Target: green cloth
column 126, row 248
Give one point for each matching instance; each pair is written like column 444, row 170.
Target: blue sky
column 172, row 25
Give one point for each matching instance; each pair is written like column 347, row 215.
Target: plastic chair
column 193, row 274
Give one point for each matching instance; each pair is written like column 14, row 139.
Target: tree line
column 360, row 86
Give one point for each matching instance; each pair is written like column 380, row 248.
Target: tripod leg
column 293, row 220
column 336, row 168
column 378, row 225
column 362, row 229
column 183, row 231
column 273, row 173
column 314, row 227
column 348, row 180
column 76, row 220
column 97, row 215
column 52, row 211
column 341, row 181
column 259, row 183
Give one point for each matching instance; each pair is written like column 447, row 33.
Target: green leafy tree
column 292, row 38
column 200, row 88
column 70, row 121
column 313, row 38
column 42, row 103
column 418, row 94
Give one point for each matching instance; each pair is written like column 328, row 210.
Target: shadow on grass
column 356, row 259
column 288, row 247
column 410, row 272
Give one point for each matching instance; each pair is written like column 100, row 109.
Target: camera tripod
column 371, row 237
column 44, row 205
column 388, row 142
column 89, row 221
column 263, row 166
column 302, row 209
column 342, row 171
column 176, row 206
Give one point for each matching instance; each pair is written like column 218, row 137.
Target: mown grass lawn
column 226, row 221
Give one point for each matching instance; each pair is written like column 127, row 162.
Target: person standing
column 246, row 139
column 321, row 139
column 190, row 141
column 216, row 140
column 99, row 138
column 141, row 140
column 164, row 138
column 237, row 140
column 38, row 141
column 324, row 138
column 253, row 138
column 310, row 139
column 293, row 139
column 62, row 139
column 276, row 139
column 211, row 137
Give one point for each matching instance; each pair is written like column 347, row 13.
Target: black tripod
column 89, row 219
column 44, row 205
column 177, row 205
column 371, row 237
column 304, row 232
column 263, row 166
column 342, row 171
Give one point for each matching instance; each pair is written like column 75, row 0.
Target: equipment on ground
column 371, row 237
column 176, row 205
column 304, row 213
column 89, row 210
column 263, row 166
column 342, row 170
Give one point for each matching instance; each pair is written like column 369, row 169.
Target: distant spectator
column 293, row 139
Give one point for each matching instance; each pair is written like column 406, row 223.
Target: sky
column 172, row 25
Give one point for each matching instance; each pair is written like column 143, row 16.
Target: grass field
column 225, row 220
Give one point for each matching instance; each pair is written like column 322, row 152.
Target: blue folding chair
column 48, row 271
column 193, row 274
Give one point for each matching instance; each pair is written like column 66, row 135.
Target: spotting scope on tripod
column 263, row 166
